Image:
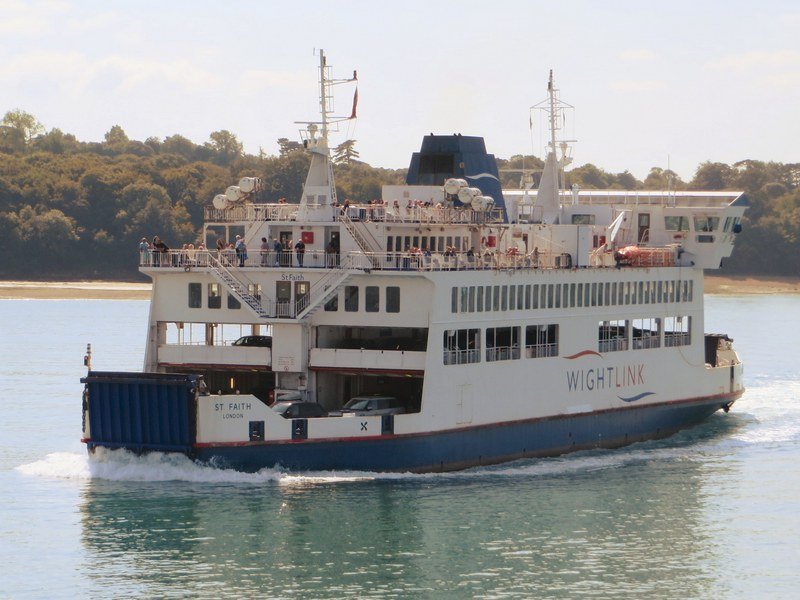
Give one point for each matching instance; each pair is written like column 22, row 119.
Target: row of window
column 463, row 346
column 701, row 224
column 640, row 334
column 675, row 223
column 470, row 299
column 372, row 299
column 434, row 243
column 214, row 297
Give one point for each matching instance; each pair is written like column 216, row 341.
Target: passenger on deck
column 144, row 251
column 265, row 248
column 330, row 251
column 230, row 254
column 241, row 250
column 162, row 250
column 300, row 250
column 277, row 248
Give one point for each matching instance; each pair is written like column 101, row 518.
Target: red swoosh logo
column 584, row 353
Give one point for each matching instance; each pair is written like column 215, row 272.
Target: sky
column 667, row 84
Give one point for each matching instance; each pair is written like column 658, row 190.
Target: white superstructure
column 528, row 324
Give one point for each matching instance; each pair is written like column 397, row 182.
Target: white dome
column 233, row 193
column 248, row 184
column 452, row 186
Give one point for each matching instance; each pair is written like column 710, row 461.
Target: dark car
column 299, row 410
column 261, row 341
column 373, row 405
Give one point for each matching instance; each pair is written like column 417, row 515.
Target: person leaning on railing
column 161, row 252
column 265, row 248
column 144, row 252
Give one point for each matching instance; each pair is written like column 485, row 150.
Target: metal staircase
column 330, row 182
column 323, row 289
column 237, row 286
column 365, row 240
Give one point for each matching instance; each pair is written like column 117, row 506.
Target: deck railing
column 502, row 353
column 541, row 350
column 383, row 261
column 461, row 357
column 357, row 212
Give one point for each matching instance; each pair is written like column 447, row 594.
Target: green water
column 710, row 513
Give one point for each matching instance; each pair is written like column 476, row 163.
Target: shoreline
column 74, row 290
column 125, row 290
column 733, row 285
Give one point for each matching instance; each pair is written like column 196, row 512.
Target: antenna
column 326, row 106
column 555, row 108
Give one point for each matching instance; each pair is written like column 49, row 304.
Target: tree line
column 73, row 209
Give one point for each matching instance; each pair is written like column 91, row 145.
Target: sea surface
column 713, row 512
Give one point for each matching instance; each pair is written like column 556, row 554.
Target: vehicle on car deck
column 373, row 405
column 261, row 341
column 299, row 410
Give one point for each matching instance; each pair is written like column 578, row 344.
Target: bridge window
column 233, row 303
column 583, row 219
column 706, row 223
column 676, row 223
column 731, row 224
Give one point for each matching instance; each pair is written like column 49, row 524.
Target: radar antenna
column 548, row 196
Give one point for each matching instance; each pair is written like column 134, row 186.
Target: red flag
column 355, row 104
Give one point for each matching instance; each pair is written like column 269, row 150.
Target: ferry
column 448, row 324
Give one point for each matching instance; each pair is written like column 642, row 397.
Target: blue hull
column 447, row 451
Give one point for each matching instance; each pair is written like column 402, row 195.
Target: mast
column 323, row 94
column 548, row 195
column 319, row 191
column 552, row 97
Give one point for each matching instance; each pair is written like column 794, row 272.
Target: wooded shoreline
column 125, row 290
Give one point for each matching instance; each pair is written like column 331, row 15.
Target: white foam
column 780, row 422
column 59, row 465
column 774, row 411
column 121, row 465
